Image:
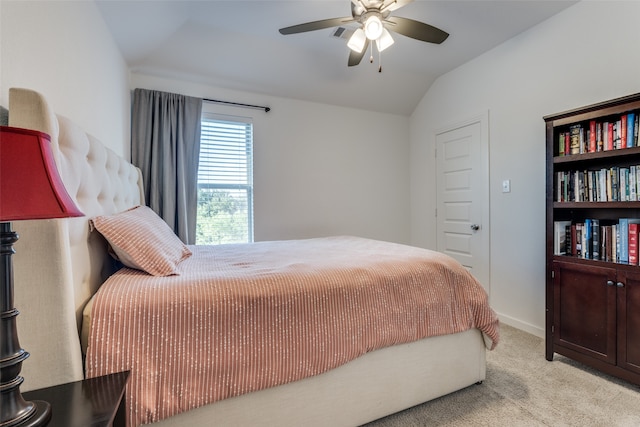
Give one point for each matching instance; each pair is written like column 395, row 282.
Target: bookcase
column 592, row 215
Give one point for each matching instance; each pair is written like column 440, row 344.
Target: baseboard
column 534, row 330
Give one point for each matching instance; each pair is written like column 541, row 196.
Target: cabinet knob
column 609, row 282
column 475, row 227
column 620, row 285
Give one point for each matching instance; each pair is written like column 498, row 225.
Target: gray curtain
column 165, row 144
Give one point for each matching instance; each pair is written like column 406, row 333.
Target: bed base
column 368, row 388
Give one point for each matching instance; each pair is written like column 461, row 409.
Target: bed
column 63, row 269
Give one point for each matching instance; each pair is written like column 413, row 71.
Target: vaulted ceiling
column 236, row 45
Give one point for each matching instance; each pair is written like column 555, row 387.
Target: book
column 633, row 182
column 627, row 184
column 623, row 185
column 623, row 244
column 623, row 228
column 623, row 131
column 615, row 245
column 560, row 237
column 587, row 239
column 581, row 187
column 605, row 243
column 600, row 141
column 634, row 230
column 574, row 132
column 595, row 239
column 602, row 185
column 631, row 123
column 592, row 137
column 615, row 184
column 609, row 136
column 591, row 185
column 637, row 182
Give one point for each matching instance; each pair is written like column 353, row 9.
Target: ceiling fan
column 375, row 22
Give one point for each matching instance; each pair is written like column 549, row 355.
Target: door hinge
column 553, row 328
column 553, row 274
column 436, row 212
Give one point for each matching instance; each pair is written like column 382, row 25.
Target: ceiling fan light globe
column 357, row 41
column 384, row 41
column 373, row 28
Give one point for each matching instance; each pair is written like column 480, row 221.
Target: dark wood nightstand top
column 94, row 402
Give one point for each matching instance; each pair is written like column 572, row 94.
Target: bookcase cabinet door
column 629, row 321
column 585, row 309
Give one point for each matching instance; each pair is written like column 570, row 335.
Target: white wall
column 586, row 54
column 319, row 169
column 64, row 50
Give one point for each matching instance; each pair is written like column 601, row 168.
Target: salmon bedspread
column 241, row 318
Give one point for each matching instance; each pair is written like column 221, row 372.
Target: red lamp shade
column 30, row 186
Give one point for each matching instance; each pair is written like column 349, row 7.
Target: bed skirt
column 368, row 388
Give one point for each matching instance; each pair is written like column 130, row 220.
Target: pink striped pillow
column 140, row 239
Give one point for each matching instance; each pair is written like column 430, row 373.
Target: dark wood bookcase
column 592, row 305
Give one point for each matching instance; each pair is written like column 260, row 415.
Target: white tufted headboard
column 59, row 264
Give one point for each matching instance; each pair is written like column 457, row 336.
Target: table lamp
column 30, row 189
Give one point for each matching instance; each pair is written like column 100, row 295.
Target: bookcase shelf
column 592, row 290
column 625, row 153
column 594, row 262
column 596, row 205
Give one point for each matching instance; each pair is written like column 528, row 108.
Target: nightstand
column 95, row 402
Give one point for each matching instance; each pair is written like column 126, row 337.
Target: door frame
column 483, row 119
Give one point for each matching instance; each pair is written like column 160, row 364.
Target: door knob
column 475, row 227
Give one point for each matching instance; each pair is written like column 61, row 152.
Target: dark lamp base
column 40, row 416
column 14, row 410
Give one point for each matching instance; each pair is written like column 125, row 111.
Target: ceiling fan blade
column 416, row 30
column 395, row 5
column 357, row 9
column 315, row 25
column 356, row 57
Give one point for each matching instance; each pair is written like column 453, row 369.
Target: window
column 225, row 181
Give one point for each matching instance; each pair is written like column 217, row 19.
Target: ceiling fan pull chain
column 379, row 61
column 371, row 57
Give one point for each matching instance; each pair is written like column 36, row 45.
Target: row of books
column 611, row 241
column 614, row 134
column 615, row 184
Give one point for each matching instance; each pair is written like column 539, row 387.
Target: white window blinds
column 225, row 181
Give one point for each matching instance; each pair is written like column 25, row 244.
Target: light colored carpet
column 524, row 389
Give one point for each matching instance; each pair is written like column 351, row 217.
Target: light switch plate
column 506, row 186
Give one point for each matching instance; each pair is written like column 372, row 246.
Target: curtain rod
column 238, row 104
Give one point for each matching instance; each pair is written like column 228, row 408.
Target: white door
column 462, row 176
